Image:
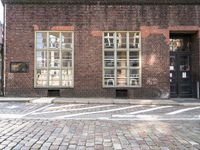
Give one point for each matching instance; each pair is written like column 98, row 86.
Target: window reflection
column 41, row 59
column 180, row 44
column 66, row 40
column 54, row 64
column 121, row 54
column 134, row 40
column 108, row 40
column 41, row 42
column 41, row 76
column 54, row 40
column 184, row 63
column 121, row 40
column 54, row 59
column 54, row 77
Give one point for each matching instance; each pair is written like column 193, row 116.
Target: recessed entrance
column 181, row 65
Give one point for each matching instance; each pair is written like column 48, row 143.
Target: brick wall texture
column 154, row 21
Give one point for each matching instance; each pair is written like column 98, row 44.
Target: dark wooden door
column 180, row 74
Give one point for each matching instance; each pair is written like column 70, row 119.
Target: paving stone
column 117, row 146
column 107, row 144
column 89, row 144
column 165, row 148
column 72, row 146
column 18, row 147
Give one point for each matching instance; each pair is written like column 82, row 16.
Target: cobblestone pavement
column 74, row 134
column 81, row 126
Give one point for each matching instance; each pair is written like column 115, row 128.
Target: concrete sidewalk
column 59, row 100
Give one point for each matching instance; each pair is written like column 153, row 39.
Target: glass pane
column 109, row 55
column 66, row 55
column 134, row 77
column 66, row 63
column 54, row 77
column 54, row 40
column 41, row 59
column 109, row 63
column 134, row 40
column 172, row 63
column 184, row 63
column 67, row 77
column 108, row 40
column 121, row 63
column 41, row 78
column 109, row 73
column 54, row 59
column 176, row 44
column 180, row 44
column 121, row 81
column 121, row 55
column 134, row 73
column 109, row 81
column 134, row 55
column 121, row 40
column 134, row 63
column 66, row 40
column 67, row 74
column 41, row 40
column 121, row 73
column 134, row 59
column 67, row 83
column 121, row 59
column 134, row 82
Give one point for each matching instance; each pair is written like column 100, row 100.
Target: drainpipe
column 4, row 49
column 198, row 90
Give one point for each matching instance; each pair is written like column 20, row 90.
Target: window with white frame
column 53, row 59
column 122, row 59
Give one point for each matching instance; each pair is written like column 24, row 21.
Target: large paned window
column 122, row 59
column 53, row 59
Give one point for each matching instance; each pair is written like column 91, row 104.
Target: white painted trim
column 148, row 110
column 97, row 112
column 182, row 110
column 115, row 60
column 75, row 109
column 60, row 51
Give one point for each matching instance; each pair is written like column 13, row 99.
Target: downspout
column 4, row 49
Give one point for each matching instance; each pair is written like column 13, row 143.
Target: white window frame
column 128, row 63
column 48, row 68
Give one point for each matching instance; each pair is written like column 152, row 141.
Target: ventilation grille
column 53, row 93
column 122, row 93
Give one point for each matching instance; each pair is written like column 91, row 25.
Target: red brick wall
column 88, row 21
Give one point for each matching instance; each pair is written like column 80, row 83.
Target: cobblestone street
column 90, row 126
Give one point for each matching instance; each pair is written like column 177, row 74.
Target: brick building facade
column 138, row 49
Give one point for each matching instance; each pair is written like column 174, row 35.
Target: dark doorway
column 180, row 65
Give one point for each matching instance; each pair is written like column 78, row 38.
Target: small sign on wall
column 19, row 67
column 184, row 75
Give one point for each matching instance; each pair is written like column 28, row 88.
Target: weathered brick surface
column 88, row 21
